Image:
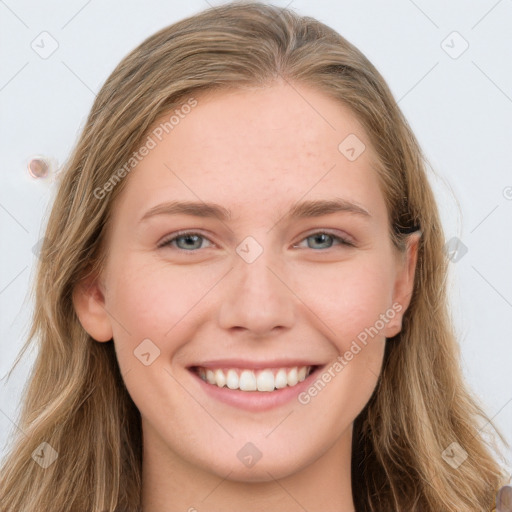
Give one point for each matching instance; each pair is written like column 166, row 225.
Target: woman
column 255, row 369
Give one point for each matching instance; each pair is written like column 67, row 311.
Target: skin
column 256, row 152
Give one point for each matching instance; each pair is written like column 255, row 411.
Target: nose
column 258, row 297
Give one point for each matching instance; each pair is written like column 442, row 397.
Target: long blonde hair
column 76, row 400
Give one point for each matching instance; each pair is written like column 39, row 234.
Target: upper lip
column 256, row 365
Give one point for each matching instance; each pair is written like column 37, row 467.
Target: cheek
column 345, row 386
column 152, row 299
column 163, row 304
column 352, row 304
column 349, row 298
column 153, row 307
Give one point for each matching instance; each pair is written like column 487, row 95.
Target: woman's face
column 277, row 286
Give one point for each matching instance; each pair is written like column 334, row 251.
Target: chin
column 266, row 469
column 261, row 473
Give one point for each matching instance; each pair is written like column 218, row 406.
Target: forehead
column 255, row 150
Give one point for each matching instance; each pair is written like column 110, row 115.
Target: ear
column 404, row 284
column 89, row 304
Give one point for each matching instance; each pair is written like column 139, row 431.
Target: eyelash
column 167, row 242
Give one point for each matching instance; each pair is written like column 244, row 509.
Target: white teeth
column 260, row 380
column 292, row 377
column 281, row 381
column 232, row 379
column 220, row 378
column 210, row 377
column 247, row 381
column 265, row 381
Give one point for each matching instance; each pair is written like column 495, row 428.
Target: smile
column 267, row 379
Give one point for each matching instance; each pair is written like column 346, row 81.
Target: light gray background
column 460, row 109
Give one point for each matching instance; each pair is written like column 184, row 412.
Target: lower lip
column 256, row 400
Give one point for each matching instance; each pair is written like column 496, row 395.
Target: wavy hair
column 75, row 399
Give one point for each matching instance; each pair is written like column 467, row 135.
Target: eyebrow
column 305, row 209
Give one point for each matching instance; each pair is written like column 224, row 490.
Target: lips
column 252, row 364
column 267, row 395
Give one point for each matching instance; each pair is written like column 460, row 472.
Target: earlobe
column 89, row 304
column 404, row 284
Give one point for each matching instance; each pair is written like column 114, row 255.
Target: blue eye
column 192, row 240
column 322, row 238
